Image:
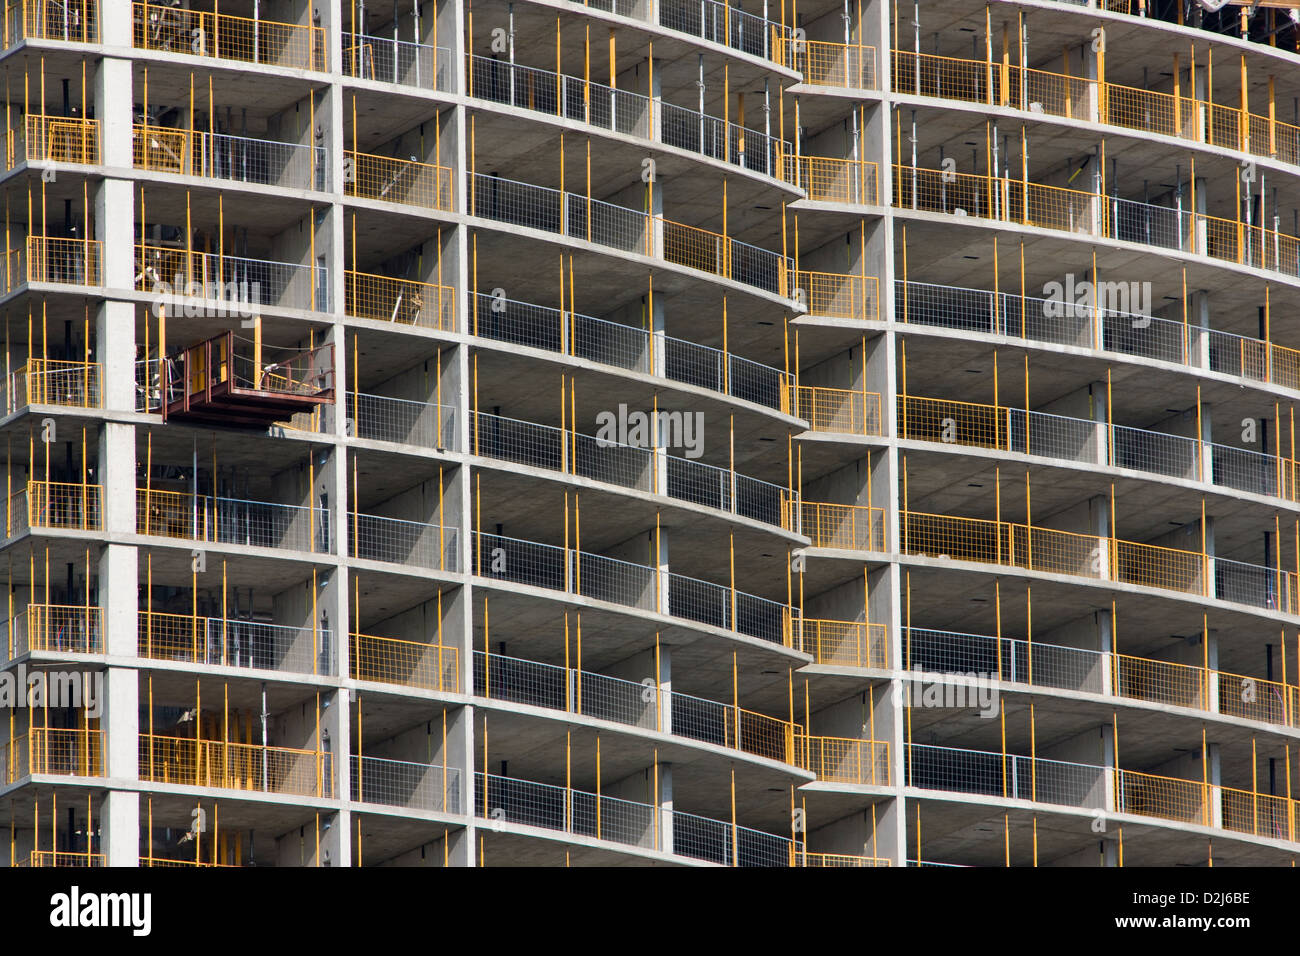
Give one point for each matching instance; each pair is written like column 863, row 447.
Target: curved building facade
column 650, row 432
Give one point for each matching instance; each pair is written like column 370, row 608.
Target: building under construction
column 650, row 432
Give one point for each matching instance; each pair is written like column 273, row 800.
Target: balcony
column 62, row 858
column 226, row 642
column 241, row 159
column 627, row 347
column 1050, row 551
column 840, row 410
column 389, row 660
column 169, row 29
column 406, row 785
column 400, row 301
column 846, row 760
column 627, row 230
column 1083, row 441
column 55, row 506
column 1082, row 213
column 234, row 285
column 231, row 521
column 712, row 20
column 622, row 111
column 649, row 470
column 53, row 752
column 611, row 580
column 574, row 691
column 236, row 382
column 188, row 762
column 1041, row 664
column 1173, row 113
column 51, row 382
column 388, row 60
column 1063, row 783
column 58, row 628
column 1106, row 330
column 405, row 181
column 74, row 21
column 640, row 825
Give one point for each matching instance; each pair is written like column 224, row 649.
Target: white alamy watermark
column 639, row 429
column 1081, row 299
column 78, row 689
column 193, row 299
column 971, row 691
column 77, row 910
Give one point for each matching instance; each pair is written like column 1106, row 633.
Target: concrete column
column 1198, row 348
column 119, row 821
column 664, row 800
column 1106, row 641
column 1099, row 525
column 1206, row 471
column 1216, row 787
column 117, row 478
column 1212, row 678
column 118, row 582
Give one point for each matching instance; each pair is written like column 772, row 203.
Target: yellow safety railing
column 1171, row 113
column 1194, row 801
column 695, row 248
column 62, row 858
column 1254, row 698
column 56, row 259
column 200, row 33
column 403, row 301
column 842, row 410
column 846, row 760
column 850, row 65
column 849, row 527
column 217, row 763
column 826, row 179
column 58, row 139
column 760, row 735
column 51, row 382
column 836, row 295
column 843, row 643
column 962, row 423
column 388, row 660
column 804, row 858
column 75, row 21
column 71, row 752
column 54, row 504
column 391, row 179
column 71, row 628
column 169, row 862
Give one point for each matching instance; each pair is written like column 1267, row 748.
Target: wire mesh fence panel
column 398, row 180
column 388, row 660
column 76, row 21
column 242, row 159
column 389, row 60
column 1012, row 776
column 403, row 783
column 1244, row 470
column 66, row 752
column 397, row 541
column 523, row 562
column 1155, row 452
column 720, row 22
column 618, row 582
column 727, row 844
column 845, row 760
column 240, row 282
column 1254, row 585
column 524, row 682
column 1145, row 794
column 525, row 443
column 519, row 204
column 400, row 420
column 55, row 627
column 609, row 343
column 215, row 763
column 845, row 643
column 506, row 320
column 527, row 803
column 402, row 301
column 606, row 460
column 1259, row 814
column 1050, row 665
column 235, row 643
column 1254, row 699
column 700, row 484
column 261, row 524
column 1164, row 682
